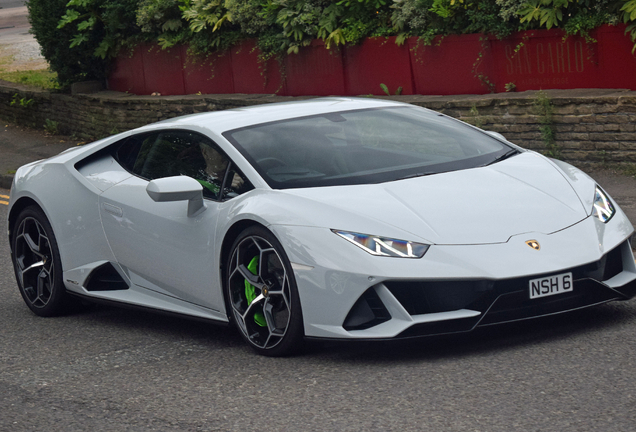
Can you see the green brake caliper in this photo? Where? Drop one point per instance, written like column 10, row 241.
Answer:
column 250, row 292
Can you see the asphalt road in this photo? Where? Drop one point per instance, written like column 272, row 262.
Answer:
column 109, row 369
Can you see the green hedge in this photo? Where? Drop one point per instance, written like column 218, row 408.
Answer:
column 79, row 37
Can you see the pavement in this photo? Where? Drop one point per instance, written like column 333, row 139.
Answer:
column 19, row 146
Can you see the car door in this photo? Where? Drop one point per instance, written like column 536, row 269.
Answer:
column 157, row 243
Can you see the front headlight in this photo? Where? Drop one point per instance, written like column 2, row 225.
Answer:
column 603, row 208
column 383, row 246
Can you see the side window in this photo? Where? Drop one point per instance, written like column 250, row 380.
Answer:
column 174, row 153
column 235, row 184
column 127, row 151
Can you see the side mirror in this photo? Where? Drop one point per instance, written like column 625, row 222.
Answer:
column 496, row 135
column 178, row 188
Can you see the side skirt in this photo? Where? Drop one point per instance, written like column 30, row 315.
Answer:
column 129, row 306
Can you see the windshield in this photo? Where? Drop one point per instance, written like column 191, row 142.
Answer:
column 363, row 146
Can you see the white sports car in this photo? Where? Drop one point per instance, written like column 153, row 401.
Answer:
column 332, row 218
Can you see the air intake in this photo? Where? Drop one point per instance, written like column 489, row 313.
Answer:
column 105, row 278
column 367, row 312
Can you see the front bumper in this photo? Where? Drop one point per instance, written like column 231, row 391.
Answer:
column 348, row 294
column 509, row 300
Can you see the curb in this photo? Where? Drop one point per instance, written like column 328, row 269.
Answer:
column 5, row 181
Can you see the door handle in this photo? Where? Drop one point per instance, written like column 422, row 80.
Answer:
column 114, row 210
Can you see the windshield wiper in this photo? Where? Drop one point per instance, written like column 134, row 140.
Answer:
column 503, row 156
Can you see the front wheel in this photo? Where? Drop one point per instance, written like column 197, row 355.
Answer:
column 37, row 264
column 262, row 295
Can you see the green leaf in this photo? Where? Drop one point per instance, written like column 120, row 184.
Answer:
column 88, row 24
column 190, row 14
column 220, row 22
column 70, row 16
column 335, row 37
column 385, row 89
column 165, row 42
column 103, row 49
column 531, row 11
column 80, row 3
column 197, row 25
column 401, row 38
column 78, row 39
column 631, row 29
column 172, row 24
column 630, row 11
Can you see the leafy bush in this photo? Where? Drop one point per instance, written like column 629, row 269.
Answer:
column 412, row 16
column 158, row 16
column 72, row 64
column 584, row 15
column 79, row 36
column 105, row 24
column 247, row 15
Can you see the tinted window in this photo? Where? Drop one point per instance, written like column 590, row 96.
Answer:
column 174, row 153
column 127, row 152
column 363, row 146
column 235, row 183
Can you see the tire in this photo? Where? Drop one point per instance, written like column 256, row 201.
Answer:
column 37, row 265
column 261, row 294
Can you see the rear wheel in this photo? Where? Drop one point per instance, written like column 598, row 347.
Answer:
column 262, row 295
column 37, row 264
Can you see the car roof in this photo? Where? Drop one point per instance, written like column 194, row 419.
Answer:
column 222, row 121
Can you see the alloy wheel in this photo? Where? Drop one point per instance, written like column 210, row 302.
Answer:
column 34, row 262
column 260, row 292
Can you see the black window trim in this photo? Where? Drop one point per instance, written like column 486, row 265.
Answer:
column 114, row 151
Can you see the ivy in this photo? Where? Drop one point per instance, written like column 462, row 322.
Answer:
column 544, row 109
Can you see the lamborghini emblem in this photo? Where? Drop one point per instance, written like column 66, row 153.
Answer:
column 533, row 244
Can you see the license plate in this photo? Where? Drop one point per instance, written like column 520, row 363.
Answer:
column 551, row 285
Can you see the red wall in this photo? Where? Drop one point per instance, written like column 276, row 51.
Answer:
column 458, row 64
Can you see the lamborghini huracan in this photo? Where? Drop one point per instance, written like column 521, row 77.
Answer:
column 334, row 218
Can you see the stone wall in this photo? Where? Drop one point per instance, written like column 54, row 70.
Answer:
column 591, row 126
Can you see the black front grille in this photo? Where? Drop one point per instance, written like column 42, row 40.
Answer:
column 424, row 297
column 518, row 305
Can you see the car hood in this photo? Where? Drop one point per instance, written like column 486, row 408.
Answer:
column 523, row 194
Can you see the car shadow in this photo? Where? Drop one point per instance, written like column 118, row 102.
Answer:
column 595, row 322
column 592, row 322
column 171, row 326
